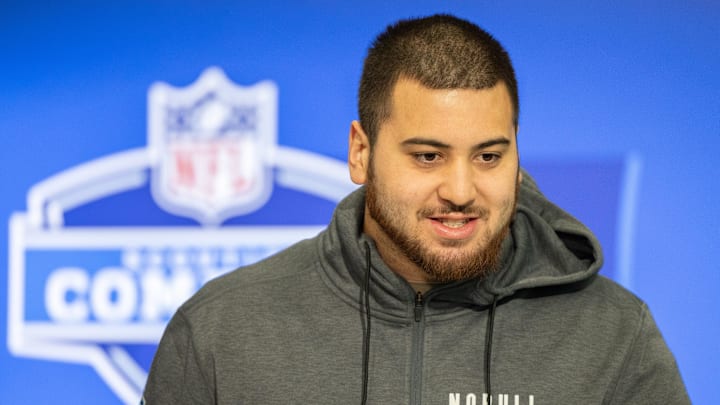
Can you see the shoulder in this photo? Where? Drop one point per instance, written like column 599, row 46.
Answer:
column 597, row 294
column 287, row 270
column 648, row 372
column 603, row 303
column 608, row 296
column 596, row 307
column 607, row 314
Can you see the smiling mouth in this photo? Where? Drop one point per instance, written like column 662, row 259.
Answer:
column 454, row 229
column 453, row 223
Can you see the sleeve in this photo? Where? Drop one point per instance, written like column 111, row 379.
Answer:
column 176, row 376
column 650, row 374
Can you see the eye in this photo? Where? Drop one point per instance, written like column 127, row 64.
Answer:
column 427, row 157
column 489, row 157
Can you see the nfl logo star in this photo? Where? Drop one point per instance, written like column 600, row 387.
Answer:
column 212, row 144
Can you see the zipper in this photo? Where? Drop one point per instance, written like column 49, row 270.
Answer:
column 417, row 350
column 418, row 306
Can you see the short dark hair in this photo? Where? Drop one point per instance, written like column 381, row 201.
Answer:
column 439, row 51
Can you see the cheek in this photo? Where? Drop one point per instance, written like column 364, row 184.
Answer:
column 502, row 195
column 398, row 184
column 403, row 194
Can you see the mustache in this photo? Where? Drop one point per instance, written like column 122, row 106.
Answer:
column 450, row 208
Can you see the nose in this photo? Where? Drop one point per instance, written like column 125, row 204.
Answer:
column 458, row 187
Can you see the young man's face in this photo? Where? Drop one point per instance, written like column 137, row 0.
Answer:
column 441, row 180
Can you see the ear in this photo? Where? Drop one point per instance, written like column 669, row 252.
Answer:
column 358, row 153
column 517, row 149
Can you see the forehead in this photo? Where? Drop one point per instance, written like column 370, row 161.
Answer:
column 419, row 110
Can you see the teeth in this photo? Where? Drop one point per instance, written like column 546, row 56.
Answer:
column 454, row 224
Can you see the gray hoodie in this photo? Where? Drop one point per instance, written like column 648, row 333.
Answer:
column 543, row 330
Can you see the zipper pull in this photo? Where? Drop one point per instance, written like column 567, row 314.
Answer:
column 418, row 306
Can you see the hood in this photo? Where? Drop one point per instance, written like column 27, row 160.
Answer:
column 546, row 248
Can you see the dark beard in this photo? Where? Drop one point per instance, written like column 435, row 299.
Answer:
column 440, row 268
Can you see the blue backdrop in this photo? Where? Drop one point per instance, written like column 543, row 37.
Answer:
column 620, row 120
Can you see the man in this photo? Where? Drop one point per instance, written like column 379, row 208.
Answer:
column 447, row 279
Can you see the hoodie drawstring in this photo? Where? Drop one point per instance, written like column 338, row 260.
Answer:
column 488, row 345
column 366, row 333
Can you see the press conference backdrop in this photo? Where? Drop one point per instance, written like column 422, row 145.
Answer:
column 150, row 146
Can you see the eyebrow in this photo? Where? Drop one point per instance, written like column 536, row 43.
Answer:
column 441, row 145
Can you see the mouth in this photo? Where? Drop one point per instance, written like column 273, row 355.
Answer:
column 454, row 228
column 453, row 223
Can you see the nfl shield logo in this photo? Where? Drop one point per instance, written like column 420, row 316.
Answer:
column 212, row 144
